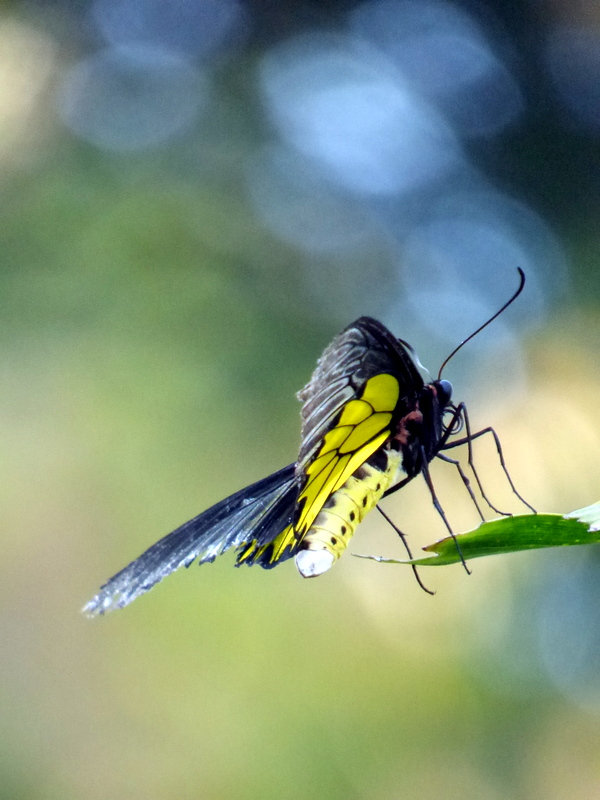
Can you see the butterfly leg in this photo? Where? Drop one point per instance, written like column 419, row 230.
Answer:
column 468, row 440
column 440, row 510
column 407, row 548
column 465, row 480
column 461, row 414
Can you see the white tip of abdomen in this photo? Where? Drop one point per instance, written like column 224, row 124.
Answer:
column 311, row 563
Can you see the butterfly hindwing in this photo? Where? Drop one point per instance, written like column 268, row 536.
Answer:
column 259, row 512
column 364, row 381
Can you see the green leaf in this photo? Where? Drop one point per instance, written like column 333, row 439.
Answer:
column 511, row 534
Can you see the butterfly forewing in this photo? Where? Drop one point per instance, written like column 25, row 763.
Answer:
column 259, row 512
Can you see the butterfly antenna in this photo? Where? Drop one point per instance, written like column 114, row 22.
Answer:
column 485, row 324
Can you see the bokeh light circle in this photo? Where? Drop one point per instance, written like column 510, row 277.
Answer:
column 127, row 99
column 346, row 107
column 294, row 201
column 445, row 56
column 195, row 27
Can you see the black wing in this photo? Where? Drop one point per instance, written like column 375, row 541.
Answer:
column 364, row 349
column 259, row 513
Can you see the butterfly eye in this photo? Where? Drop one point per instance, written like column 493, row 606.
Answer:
column 444, row 389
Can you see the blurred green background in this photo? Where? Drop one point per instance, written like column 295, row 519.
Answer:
column 195, row 197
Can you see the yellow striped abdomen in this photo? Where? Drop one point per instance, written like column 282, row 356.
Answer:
column 335, row 524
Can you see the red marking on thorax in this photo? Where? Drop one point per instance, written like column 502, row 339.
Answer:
column 403, row 432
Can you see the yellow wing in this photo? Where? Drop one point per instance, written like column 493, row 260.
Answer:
column 364, row 426
column 364, row 382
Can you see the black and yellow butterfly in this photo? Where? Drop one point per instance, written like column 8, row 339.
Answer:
column 370, row 424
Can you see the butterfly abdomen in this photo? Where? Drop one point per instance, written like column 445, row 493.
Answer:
column 336, row 523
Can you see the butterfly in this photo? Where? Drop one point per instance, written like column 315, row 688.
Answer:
column 370, row 424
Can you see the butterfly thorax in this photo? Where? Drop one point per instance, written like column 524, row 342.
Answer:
column 419, row 432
